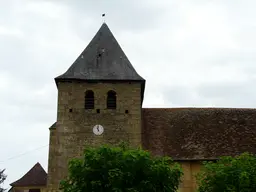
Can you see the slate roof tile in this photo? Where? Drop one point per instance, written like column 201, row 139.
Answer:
column 102, row 59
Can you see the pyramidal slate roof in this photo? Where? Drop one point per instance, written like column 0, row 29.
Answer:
column 103, row 59
column 36, row 176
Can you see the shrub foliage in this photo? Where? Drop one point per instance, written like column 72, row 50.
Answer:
column 229, row 174
column 2, row 179
column 121, row 169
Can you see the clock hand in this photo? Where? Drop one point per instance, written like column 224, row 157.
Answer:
column 98, row 128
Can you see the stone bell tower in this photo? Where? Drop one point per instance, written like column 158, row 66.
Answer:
column 99, row 101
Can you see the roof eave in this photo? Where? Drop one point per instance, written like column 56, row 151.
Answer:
column 15, row 185
column 60, row 79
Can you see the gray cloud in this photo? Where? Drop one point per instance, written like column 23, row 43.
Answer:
column 232, row 94
column 127, row 15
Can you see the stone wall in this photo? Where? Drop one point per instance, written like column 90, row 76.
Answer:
column 52, row 180
column 190, row 169
column 74, row 123
column 27, row 188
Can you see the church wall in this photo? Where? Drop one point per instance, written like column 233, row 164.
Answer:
column 74, row 129
column 190, row 169
column 52, row 160
column 27, row 188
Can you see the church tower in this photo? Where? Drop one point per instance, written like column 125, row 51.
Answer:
column 99, row 101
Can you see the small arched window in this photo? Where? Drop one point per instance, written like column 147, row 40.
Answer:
column 89, row 100
column 111, row 100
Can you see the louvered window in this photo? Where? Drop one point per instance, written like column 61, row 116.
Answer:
column 111, row 100
column 89, row 100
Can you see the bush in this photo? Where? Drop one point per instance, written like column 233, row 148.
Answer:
column 121, row 169
column 2, row 179
column 229, row 174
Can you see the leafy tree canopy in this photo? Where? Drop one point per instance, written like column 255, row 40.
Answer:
column 2, row 179
column 121, row 169
column 229, row 174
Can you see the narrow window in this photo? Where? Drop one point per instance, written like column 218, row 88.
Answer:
column 89, row 100
column 111, row 100
column 34, row 190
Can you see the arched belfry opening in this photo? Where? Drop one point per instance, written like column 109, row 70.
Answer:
column 89, row 99
column 111, row 99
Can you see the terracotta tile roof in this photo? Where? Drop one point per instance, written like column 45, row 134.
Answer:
column 36, row 176
column 199, row 133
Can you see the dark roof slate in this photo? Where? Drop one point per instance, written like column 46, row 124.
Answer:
column 36, row 176
column 199, row 133
column 102, row 59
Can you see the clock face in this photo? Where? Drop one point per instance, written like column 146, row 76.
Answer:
column 98, row 129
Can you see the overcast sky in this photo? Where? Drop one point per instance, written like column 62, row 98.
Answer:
column 193, row 53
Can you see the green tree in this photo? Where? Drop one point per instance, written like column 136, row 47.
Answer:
column 121, row 169
column 229, row 174
column 2, row 179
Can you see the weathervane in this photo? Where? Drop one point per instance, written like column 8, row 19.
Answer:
column 103, row 16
